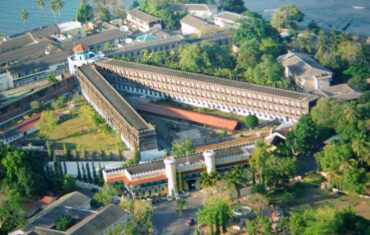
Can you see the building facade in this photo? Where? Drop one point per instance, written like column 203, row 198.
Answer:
column 161, row 177
column 206, row 91
column 134, row 130
column 143, row 21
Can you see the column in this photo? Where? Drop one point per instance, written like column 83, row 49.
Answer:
column 209, row 159
column 170, row 167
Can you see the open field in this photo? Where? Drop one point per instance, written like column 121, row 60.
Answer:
column 80, row 132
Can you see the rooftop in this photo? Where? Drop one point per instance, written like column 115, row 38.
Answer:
column 114, row 98
column 200, row 7
column 67, row 26
column 201, row 118
column 192, row 158
column 228, row 16
column 194, row 21
column 302, row 65
column 80, row 47
column 16, row 42
column 209, row 79
column 136, row 13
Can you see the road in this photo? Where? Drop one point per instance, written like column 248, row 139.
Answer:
column 167, row 221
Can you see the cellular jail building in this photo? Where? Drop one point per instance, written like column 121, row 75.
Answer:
column 101, row 81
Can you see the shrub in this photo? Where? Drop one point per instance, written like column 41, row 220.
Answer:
column 258, row 188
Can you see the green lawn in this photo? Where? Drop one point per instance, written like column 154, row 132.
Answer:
column 80, row 132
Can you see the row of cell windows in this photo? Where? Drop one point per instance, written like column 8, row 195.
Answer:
column 218, row 89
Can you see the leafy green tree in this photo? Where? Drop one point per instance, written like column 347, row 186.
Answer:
column 69, row 184
column 140, row 210
column 84, row 175
column 161, row 9
column 63, row 222
column 182, row 147
column 79, row 175
column 232, row 5
column 260, row 225
column 105, row 195
column 65, row 150
column 216, row 213
column 303, row 136
column 358, row 75
column 268, row 72
column 327, row 220
column 11, row 215
column 286, row 16
column 236, row 178
column 47, row 122
column 129, row 228
column 103, row 13
column 251, row 121
column 85, row 12
column 258, row 161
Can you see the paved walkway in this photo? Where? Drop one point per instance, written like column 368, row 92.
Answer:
column 167, row 221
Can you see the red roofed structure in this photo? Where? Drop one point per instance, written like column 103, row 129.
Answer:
column 192, row 116
column 80, row 48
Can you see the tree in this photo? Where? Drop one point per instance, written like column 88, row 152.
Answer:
column 303, row 136
column 260, row 225
column 251, row 121
column 208, row 180
column 24, row 15
column 327, row 220
column 11, row 215
column 79, row 175
column 269, row 72
column 286, row 16
column 140, row 210
column 258, row 161
column 181, row 204
column 182, row 147
column 105, row 195
column 35, row 105
column 232, row 5
column 85, row 12
column 84, row 175
column 88, row 173
column 69, row 184
column 47, row 122
column 56, row 6
column 236, row 178
column 103, row 13
column 52, row 78
column 40, row 4
column 64, row 222
column 215, row 213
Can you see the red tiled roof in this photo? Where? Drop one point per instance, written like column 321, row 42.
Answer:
column 135, row 182
column 80, row 47
column 192, row 116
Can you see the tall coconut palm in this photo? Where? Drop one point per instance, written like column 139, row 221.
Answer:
column 40, row 4
column 24, row 15
column 56, row 6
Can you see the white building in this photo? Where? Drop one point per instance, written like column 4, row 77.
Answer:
column 71, row 29
column 82, row 56
column 201, row 10
column 305, row 71
column 192, row 25
column 228, row 20
column 143, row 21
column 6, row 80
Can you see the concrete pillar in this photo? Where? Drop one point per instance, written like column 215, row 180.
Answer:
column 209, row 159
column 170, row 167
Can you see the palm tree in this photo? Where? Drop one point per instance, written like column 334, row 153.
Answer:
column 40, row 4
column 208, row 180
column 362, row 149
column 56, row 6
column 24, row 15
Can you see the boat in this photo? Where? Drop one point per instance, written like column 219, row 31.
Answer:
column 358, row 7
